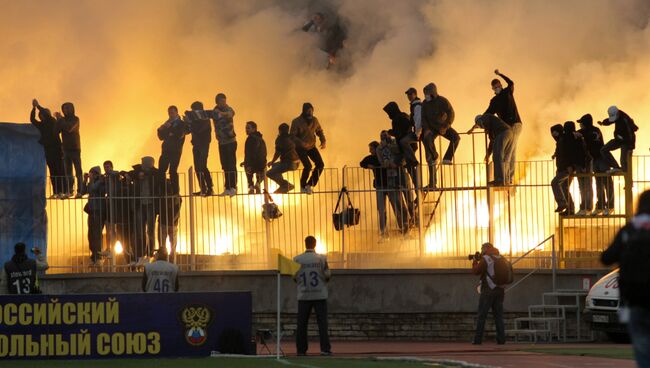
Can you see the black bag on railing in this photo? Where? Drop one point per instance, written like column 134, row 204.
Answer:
column 349, row 216
column 270, row 210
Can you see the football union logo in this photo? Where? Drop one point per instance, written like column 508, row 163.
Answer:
column 196, row 319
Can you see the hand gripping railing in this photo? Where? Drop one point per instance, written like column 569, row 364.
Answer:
column 553, row 263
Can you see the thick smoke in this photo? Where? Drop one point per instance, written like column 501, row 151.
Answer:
column 123, row 62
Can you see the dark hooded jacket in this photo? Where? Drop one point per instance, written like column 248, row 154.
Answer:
column 503, row 104
column 304, row 129
column 68, row 125
column 561, row 157
column 575, row 147
column 255, row 152
column 624, row 129
column 173, row 137
column 198, row 123
column 592, row 135
column 47, row 127
column 400, row 121
column 286, row 147
column 437, row 114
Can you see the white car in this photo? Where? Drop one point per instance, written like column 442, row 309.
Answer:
column 602, row 306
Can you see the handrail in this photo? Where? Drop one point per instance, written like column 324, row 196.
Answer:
column 553, row 263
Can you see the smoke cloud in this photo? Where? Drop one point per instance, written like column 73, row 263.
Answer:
column 123, row 62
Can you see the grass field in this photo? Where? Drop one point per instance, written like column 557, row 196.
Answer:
column 616, row 353
column 221, row 363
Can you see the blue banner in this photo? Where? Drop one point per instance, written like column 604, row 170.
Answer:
column 124, row 325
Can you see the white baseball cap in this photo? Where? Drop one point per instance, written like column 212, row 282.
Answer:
column 612, row 112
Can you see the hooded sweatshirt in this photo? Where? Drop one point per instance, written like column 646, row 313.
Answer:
column 561, row 159
column 592, row 135
column 68, row 125
column 574, row 146
column 305, row 128
column 255, row 152
column 437, row 113
column 47, row 127
column 400, row 121
column 199, row 125
column 624, row 128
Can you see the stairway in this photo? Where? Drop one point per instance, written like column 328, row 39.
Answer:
column 548, row 321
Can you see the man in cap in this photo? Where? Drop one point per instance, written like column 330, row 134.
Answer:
column 624, row 138
column 437, row 117
column 500, row 145
column 304, row 130
column 504, row 106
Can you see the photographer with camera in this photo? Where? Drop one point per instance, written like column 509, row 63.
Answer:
column 491, row 290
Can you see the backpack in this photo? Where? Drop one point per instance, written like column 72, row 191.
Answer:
column 634, row 275
column 503, row 274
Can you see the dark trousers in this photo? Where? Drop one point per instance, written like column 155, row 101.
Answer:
column 639, row 329
column 626, row 153
column 560, row 185
column 586, row 189
column 228, row 157
column 304, row 310
column 431, row 156
column 96, row 222
column 279, row 168
column 200, row 153
column 170, row 160
column 454, row 139
column 165, row 232
column 54, row 161
column 254, row 173
column 73, row 158
column 396, row 200
column 305, row 157
column 490, row 299
column 146, row 240
column 604, row 186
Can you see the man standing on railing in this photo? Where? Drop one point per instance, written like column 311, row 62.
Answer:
column 630, row 250
column 581, row 163
column 46, row 125
column 224, row 130
column 68, row 125
column 500, row 146
column 391, row 162
column 604, row 184
column 172, row 134
column 624, row 138
column 199, row 125
column 254, row 158
column 147, row 189
column 416, row 120
column 437, row 117
column 304, row 130
column 379, row 182
column 492, row 295
column 560, row 183
column 503, row 105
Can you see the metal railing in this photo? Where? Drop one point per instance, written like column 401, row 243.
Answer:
column 534, row 270
column 444, row 226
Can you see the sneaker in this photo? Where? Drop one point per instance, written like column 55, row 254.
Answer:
column 200, row 193
column 561, row 208
column 607, row 212
column 582, row 213
column 290, row 187
column 496, row 183
column 210, row 192
column 325, row 353
column 282, row 189
column 447, row 162
column 79, row 195
column 597, row 211
column 307, row 189
column 251, row 190
column 615, row 170
column 53, row 196
column 231, row 192
column 301, row 354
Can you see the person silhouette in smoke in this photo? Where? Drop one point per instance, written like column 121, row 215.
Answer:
column 254, row 158
column 560, row 183
column 624, row 138
column 604, row 184
column 437, row 117
column 285, row 150
column 198, row 123
column 224, row 131
column 504, row 106
column 51, row 142
column 581, row 163
column 172, row 133
column 332, row 35
column 68, row 125
column 304, row 130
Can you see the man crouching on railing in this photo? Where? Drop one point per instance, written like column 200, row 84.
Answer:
column 491, row 294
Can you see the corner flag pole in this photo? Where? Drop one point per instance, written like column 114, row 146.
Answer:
column 277, row 331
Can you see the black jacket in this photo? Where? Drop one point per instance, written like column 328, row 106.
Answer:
column 437, row 114
column 198, row 123
column 173, row 137
column 593, row 138
column 575, row 148
column 380, row 173
column 624, row 129
column 255, row 152
column 285, row 146
column 400, row 121
column 561, row 156
column 503, row 104
column 69, row 128
column 47, row 127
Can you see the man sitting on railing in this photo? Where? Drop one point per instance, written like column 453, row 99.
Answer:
column 285, row 150
column 437, row 117
column 624, row 138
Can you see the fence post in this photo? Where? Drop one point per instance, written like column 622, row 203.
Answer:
column 489, row 197
column 343, row 228
column 190, row 175
column 629, row 200
column 553, row 262
column 267, row 224
column 420, row 201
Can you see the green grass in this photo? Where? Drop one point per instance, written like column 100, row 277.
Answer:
column 306, row 362
column 616, row 353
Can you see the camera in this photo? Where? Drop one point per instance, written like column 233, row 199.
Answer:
column 474, row 257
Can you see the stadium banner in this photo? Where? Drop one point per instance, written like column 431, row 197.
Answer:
column 124, row 325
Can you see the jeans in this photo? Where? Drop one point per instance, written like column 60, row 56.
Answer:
column 397, row 203
column 516, row 131
column 95, row 226
column 170, row 160
column 305, row 156
column 73, row 158
column 200, row 153
column 145, row 237
column 502, row 156
column 614, row 144
column 407, row 150
column 431, row 156
column 304, row 310
column 228, row 158
column 586, row 189
column 254, row 177
column 279, row 168
column 490, row 299
column 560, row 185
column 604, row 185
column 54, row 160
column 452, row 136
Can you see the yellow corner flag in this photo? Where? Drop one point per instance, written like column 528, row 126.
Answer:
column 287, row 266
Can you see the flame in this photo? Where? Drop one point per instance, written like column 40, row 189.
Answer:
column 118, row 247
